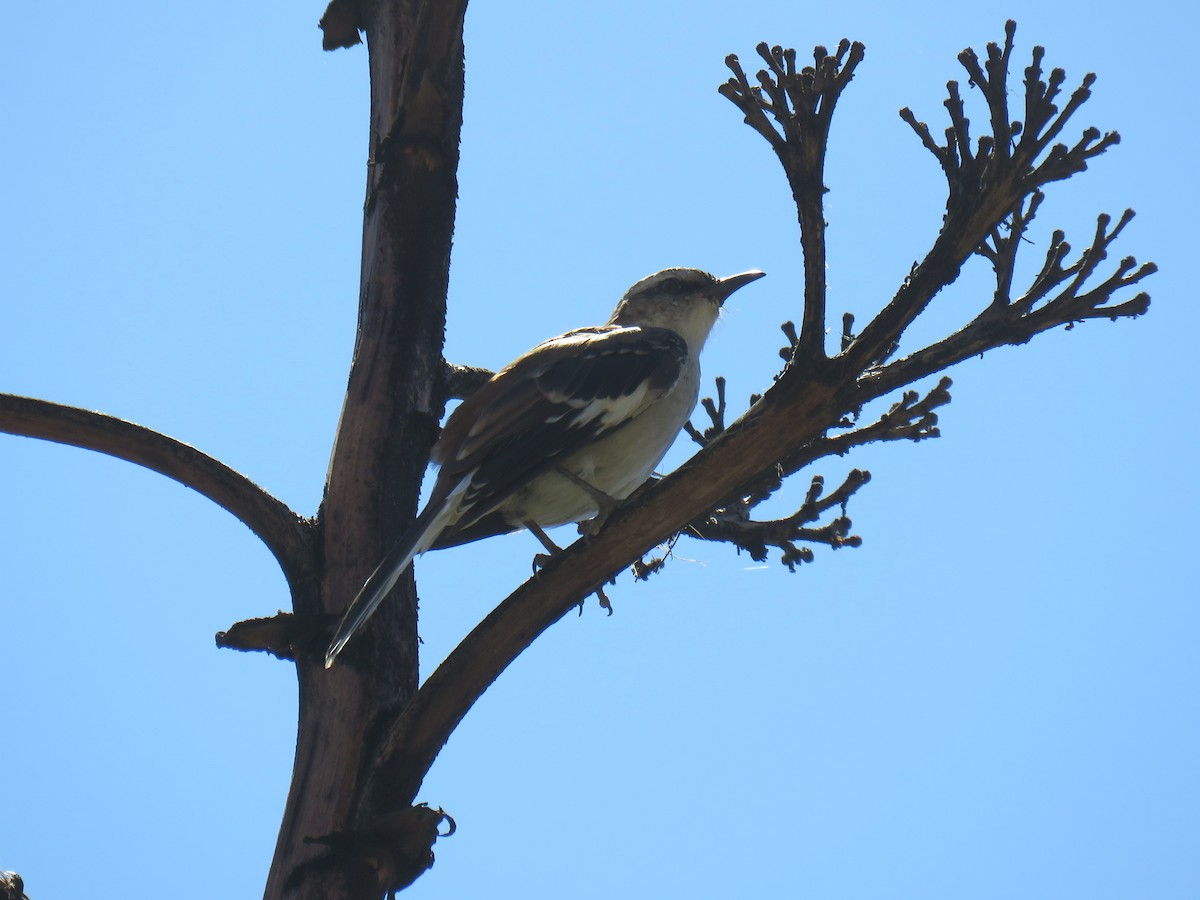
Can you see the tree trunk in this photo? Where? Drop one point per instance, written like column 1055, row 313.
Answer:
column 389, row 420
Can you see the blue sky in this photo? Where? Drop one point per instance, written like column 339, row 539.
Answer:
column 994, row 697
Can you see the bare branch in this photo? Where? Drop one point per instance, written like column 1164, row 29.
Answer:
column 912, row 418
column 283, row 635
column 286, row 534
column 340, row 25
column 985, row 184
column 847, row 331
column 716, row 415
column 801, row 101
column 461, row 381
column 1008, row 321
column 733, row 525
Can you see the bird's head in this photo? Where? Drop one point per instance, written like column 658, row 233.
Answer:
column 685, row 300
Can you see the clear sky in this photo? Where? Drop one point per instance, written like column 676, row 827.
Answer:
column 995, row 697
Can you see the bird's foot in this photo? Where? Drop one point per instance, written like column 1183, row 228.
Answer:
column 541, row 559
column 603, row 598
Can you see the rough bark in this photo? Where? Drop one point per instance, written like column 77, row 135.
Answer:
column 388, row 423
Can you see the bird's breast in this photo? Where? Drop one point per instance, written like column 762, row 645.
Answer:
column 616, row 464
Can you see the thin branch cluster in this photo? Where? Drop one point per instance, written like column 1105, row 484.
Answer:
column 1059, row 294
column 994, row 191
column 912, row 418
column 1012, row 146
column 792, row 108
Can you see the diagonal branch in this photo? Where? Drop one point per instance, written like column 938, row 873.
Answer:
column 790, row 415
column 286, row 534
column 912, row 418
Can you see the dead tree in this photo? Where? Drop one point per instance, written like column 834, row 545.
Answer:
column 368, row 732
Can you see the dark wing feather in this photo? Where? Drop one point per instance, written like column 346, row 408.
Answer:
column 547, row 404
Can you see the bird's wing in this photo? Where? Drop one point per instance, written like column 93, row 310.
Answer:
column 557, row 398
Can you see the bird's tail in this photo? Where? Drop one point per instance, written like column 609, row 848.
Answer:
column 419, row 537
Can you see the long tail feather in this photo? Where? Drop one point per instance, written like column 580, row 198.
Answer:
column 419, row 537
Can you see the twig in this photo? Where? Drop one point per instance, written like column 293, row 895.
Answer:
column 733, row 525
column 459, row 382
column 716, row 415
column 283, row 635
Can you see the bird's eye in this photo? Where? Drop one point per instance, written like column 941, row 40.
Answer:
column 671, row 285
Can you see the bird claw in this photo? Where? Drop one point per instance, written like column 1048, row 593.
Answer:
column 601, row 596
column 541, row 560
column 587, row 528
column 604, row 602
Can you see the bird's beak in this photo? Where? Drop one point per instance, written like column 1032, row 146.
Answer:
column 727, row 286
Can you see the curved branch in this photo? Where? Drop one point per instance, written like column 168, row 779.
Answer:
column 285, row 533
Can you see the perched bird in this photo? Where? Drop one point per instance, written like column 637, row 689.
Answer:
column 566, row 431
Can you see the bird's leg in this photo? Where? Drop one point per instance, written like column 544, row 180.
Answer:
column 607, row 505
column 544, row 539
column 541, row 559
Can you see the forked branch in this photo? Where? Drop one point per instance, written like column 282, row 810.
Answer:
column 912, row 418
column 733, row 524
column 987, row 180
column 1057, row 296
column 800, row 102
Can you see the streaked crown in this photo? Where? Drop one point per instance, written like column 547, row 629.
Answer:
column 685, row 300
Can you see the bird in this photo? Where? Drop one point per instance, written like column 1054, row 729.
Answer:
column 566, row 431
